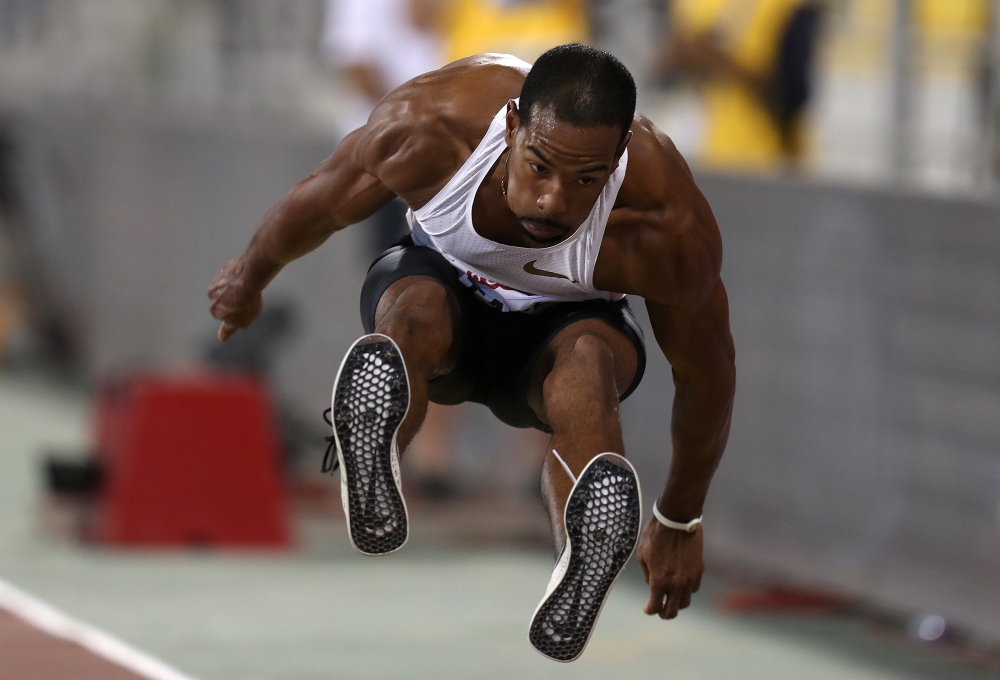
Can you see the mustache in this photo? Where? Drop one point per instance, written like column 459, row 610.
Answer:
column 545, row 221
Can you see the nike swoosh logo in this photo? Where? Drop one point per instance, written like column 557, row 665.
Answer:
column 532, row 269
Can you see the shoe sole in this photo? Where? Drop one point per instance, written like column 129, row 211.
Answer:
column 371, row 397
column 602, row 519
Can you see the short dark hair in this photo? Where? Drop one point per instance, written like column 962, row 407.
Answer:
column 582, row 85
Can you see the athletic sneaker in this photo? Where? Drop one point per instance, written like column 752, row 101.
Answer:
column 371, row 396
column 602, row 519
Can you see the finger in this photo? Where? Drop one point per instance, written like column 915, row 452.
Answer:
column 685, row 599
column 673, row 605
column 226, row 331
column 697, row 585
column 655, row 604
column 645, row 570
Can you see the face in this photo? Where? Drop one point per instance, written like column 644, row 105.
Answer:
column 556, row 172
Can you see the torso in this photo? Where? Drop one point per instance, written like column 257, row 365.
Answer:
column 509, row 277
column 655, row 242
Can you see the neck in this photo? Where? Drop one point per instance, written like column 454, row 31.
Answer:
column 492, row 217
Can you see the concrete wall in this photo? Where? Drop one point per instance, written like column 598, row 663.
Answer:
column 863, row 454
column 136, row 215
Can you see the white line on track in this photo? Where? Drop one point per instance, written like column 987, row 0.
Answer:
column 55, row 622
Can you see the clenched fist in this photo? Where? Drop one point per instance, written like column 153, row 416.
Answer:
column 235, row 303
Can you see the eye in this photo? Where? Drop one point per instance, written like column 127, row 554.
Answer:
column 541, row 170
column 586, row 181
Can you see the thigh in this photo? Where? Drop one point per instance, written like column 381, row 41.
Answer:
column 399, row 268
column 523, row 348
column 412, row 294
column 628, row 358
column 420, row 297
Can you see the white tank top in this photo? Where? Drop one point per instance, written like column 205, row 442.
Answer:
column 512, row 278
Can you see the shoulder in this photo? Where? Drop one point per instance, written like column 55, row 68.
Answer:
column 421, row 132
column 668, row 246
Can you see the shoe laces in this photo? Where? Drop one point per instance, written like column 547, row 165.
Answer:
column 330, row 460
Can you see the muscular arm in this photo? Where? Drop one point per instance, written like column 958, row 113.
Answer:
column 670, row 253
column 674, row 260
column 339, row 192
column 414, row 140
column 700, row 350
column 698, row 344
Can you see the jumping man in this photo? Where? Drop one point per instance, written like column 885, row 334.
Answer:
column 538, row 200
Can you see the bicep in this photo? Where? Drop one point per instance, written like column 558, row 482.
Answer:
column 341, row 189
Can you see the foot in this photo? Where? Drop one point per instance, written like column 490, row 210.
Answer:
column 602, row 519
column 371, row 396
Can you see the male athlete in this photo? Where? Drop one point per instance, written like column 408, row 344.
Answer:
column 538, row 199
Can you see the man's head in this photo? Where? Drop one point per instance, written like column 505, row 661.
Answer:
column 566, row 136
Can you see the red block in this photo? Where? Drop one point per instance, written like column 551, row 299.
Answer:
column 190, row 460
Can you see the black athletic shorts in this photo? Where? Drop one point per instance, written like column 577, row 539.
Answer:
column 499, row 349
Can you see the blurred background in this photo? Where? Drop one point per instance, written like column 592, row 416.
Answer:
column 168, row 489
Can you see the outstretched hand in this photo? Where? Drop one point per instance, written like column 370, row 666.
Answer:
column 232, row 301
column 672, row 563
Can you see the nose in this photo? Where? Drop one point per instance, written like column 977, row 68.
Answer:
column 552, row 201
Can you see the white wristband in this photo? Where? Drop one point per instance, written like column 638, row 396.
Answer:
column 689, row 527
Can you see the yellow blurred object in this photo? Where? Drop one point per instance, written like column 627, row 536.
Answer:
column 963, row 16
column 872, row 13
column 949, row 36
column 741, row 134
column 862, row 46
column 524, row 28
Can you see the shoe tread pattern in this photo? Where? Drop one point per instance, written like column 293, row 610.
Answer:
column 370, row 402
column 602, row 523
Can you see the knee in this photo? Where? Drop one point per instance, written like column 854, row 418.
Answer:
column 422, row 309
column 582, row 380
column 422, row 318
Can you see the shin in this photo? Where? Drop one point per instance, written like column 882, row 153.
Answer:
column 581, row 407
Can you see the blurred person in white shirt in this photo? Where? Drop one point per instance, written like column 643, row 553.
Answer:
column 379, row 44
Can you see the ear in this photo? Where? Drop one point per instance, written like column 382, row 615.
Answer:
column 623, row 145
column 513, row 122
column 621, row 150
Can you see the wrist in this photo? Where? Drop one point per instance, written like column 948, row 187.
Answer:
column 687, row 526
column 256, row 271
column 677, row 509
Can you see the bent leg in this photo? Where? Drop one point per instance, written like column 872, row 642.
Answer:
column 594, row 501
column 575, row 391
column 375, row 415
column 422, row 316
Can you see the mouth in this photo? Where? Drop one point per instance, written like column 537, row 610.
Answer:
column 543, row 230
